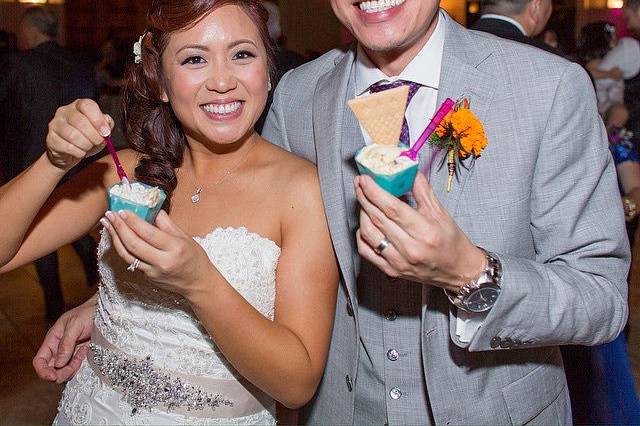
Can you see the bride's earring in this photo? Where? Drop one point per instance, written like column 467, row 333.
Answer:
column 269, row 86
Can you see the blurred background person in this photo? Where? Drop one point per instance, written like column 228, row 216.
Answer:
column 631, row 13
column 33, row 84
column 600, row 380
column 550, row 38
column 285, row 59
column 7, row 46
column 518, row 20
column 7, row 42
column 608, row 60
column 116, row 55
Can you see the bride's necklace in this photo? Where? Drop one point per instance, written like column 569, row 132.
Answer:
column 198, row 189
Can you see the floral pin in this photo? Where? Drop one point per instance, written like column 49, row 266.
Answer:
column 462, row 135
column 137, row 49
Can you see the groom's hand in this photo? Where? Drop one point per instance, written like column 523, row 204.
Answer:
column 65, row 345
column 424, row 244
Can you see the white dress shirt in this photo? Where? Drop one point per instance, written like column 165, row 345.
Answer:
column 424, row 69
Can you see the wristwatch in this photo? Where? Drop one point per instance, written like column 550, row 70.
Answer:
column 481, row 294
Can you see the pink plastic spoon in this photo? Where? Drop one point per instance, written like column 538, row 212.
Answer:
column 119, row 169
column 442, row 112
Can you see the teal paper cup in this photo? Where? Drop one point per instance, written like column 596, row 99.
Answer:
column 117, row 203
column 397, row 184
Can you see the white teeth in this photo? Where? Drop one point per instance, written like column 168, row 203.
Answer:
column 374, row 6
column 222, row 108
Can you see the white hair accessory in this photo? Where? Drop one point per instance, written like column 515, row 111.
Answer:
column 137, row 49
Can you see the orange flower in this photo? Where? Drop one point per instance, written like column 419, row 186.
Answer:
column 464, row 126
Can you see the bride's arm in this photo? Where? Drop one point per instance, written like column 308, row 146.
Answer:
column 285, row 357
column 36, row 217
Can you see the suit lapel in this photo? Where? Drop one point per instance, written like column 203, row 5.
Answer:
column 460, row 76
column 329, row 107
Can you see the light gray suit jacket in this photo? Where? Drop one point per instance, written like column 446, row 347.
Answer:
column 543, row 196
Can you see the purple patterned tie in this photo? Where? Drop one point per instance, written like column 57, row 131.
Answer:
column 413, row 88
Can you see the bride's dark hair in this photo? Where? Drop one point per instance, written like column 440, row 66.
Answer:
column 151, row 128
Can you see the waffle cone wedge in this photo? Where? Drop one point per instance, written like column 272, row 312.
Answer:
column 381, row 114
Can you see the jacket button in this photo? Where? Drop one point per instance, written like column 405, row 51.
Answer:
column 495, row 342
column 393, row 355
column 349, row 385
column 349, row 308
column 390, row 315
column 506, row 343
column 395, row 393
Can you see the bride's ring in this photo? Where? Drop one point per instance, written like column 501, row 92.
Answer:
column 383, row 245
column 134, row 265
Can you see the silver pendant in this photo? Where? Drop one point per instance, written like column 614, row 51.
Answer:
column 196, row 195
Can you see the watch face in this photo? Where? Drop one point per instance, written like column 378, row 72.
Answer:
column 482, row 299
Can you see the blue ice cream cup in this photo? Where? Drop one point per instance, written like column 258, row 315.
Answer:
column 395, row 182
column 147, row 211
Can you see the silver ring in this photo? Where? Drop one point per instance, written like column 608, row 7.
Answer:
column 134, row 265
column 383, row 245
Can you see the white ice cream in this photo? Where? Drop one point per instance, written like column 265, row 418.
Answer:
column 137, row 193
column 384, row 159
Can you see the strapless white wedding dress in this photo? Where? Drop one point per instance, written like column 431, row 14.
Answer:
column 152, row 362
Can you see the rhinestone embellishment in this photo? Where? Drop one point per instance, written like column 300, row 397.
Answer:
column 143, row 386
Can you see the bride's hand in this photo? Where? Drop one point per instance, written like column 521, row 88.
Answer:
column 169, row 257
column 75, row 132
column 65, row 345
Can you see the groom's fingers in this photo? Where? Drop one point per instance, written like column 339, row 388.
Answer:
column 400, row 213
column 366, row 251
column 389, row 226
column 426, row 201
column 43, row 361
column 67, row 372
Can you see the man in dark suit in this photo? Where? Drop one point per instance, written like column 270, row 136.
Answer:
column 518, row 20
column 34, row 83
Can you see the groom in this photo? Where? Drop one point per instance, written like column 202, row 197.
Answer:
column 542, row 202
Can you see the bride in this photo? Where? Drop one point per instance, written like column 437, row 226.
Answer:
column 225, row 304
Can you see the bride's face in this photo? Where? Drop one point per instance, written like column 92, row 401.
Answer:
column 215, row 76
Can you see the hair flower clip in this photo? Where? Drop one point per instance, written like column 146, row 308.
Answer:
column 462, row 135
column 137, row 49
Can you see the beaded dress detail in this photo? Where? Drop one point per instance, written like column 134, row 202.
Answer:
column 156, row 355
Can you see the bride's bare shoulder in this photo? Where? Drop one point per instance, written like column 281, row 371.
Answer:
column 290, row 170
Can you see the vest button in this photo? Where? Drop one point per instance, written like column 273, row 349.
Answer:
column 349, row 385
column 495, row 342
column 393, row 355
column 395, row 393
column 506, row 343
column 390, row 315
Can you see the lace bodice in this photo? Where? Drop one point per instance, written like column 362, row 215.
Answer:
column 141, row 320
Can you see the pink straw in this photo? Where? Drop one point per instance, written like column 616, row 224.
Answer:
column 121, row 173
column 442, row 112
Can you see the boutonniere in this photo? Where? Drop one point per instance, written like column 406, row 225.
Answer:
column 461, row 134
